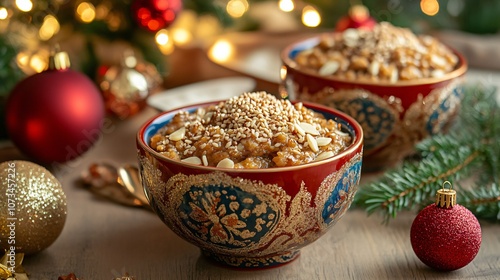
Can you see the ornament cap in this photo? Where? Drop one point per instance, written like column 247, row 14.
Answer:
column 59, row 61
column 446, row 198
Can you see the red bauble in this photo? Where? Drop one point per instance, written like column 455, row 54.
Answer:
column 55, row 115
column 446, row 238
column 358, row 17
column 154, row 15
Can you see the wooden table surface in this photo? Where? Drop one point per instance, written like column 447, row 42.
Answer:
column 101, row 239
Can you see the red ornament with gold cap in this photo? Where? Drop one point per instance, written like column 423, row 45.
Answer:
column 55, row 115
column 445, row 235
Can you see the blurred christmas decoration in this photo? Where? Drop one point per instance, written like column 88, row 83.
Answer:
column 445, row 235
column 55, row 115
column 126, row 86
column 11, row 266
column 35, row 207
column 118, row 184
column 358, row 17
column 154, row 15
column 468, row 150
column 70, row 276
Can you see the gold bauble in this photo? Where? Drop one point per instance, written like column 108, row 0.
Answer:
column 32, row 207
column 126, row 86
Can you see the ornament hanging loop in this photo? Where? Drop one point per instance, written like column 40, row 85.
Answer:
column 446, row 198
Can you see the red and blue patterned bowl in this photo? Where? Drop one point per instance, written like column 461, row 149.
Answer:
column 394, row 117
column 250, row 218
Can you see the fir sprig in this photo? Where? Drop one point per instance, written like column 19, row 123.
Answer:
column 469, row 149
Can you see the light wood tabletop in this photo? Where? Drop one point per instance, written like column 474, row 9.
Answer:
column 102, row 239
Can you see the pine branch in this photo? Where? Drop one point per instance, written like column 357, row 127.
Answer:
column 468, row 149
column 414, row 184
column 483, row 201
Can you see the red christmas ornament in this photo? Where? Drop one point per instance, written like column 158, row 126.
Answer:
column 55, row 115
column 358, row 17
column 446, row 236
column 154, row 15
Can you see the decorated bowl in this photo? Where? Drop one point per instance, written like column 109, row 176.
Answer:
column 250, row 218
column 394, row 115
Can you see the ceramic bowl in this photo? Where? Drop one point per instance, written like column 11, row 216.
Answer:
column 394, row 116
column 250, row 218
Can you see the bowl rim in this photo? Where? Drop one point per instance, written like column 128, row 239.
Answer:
column 355, row 145
column 460, row 69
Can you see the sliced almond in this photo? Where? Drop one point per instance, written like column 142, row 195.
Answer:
column 329, row 68
column 323, row 141
column 374, row 68
column 226, row 163
column 312, row 143
column 309, row 128
column 341, row 133
column 192, row 160
column 299, row 129
column 204, row 160
column 178, row 134
column 324, row 155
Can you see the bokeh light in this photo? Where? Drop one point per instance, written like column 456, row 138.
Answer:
column 4, row 13
column 24, row 5
column 221, row 51
column 86, row 12
column 49, row 28
column 429, row 7
column 310, row 16
column 237, row 8
column 286, row 5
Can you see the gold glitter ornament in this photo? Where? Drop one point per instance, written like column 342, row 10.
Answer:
column 32, row 207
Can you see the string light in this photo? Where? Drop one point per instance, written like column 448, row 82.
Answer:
column 221, row 51
column 24, row 5
column 286, row 5
column 86, row 12
column 429, row 7
column 237, row 8
column 310, row 16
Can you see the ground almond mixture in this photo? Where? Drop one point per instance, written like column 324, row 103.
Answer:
column 253, row 130
column 386, row 53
